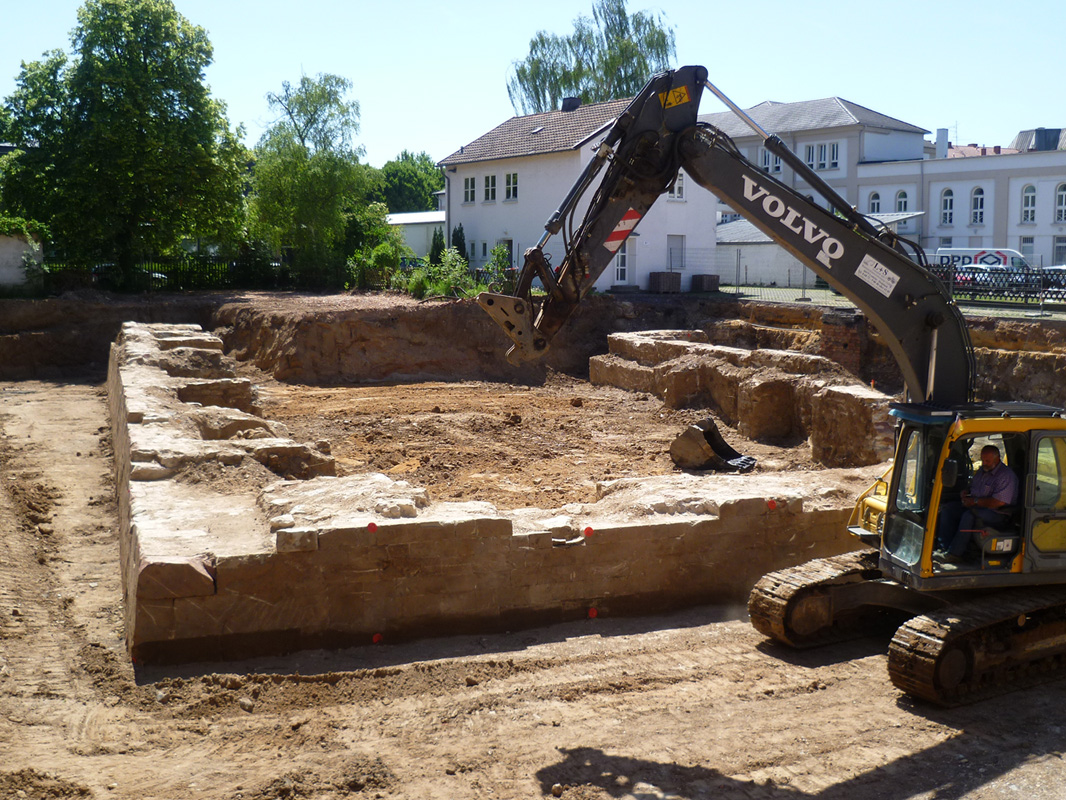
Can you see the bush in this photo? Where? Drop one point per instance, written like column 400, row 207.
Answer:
column 451, row 278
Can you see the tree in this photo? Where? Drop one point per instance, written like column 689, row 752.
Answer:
column 606, row 58
column 307, row 178
column 410, row 181
column 459, row 239
column 437, row 246
column 122, row 150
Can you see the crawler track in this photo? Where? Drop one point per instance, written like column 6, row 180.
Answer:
column 784, row 605
column 982, row 648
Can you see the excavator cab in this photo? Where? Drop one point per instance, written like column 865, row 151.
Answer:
column 937, row 454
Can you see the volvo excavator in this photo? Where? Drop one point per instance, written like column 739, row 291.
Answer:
column 962, row 631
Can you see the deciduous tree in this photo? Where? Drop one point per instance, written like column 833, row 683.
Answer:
column 122, row 150
column 410, row 182
column 307, row 176
column 607, row 57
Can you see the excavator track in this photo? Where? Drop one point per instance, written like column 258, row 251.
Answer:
column 791, row 606
column 982, row 647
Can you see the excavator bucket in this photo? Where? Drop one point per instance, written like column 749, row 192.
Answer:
column 701, row 446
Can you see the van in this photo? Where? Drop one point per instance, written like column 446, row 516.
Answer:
column 981, row 257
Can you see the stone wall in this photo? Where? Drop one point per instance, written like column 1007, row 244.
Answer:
column 765, row 394
column 314, row 560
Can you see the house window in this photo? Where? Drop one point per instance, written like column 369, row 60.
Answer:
column 473, row 250
column 945, row 241
column 677, row 191
column 621, row 264
column 484, row 249
column 675, row 253
column 977, row 207
column 469, row 189
column 1027, row 247
column 1059, row 253
column 511, row 187
column 875, row 203
column 947, row 207
column 1060, row 204
column 834, row 155
column 770, row 162
column 901, row 201
column 809, row 152
column 823, row 156
column 490, row 187
column 1029, row 204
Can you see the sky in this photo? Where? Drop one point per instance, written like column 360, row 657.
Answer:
column 432, row 76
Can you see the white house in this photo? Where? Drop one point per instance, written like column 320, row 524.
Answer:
column 13, row 249
column 503, row 187
column 417, row 228
column 832, row 136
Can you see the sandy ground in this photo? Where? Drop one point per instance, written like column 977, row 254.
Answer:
column 692, row 705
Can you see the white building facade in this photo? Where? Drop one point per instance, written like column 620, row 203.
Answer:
column 1011, row 200
column 504, row 186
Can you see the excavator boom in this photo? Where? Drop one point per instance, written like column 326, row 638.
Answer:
column 656, row 136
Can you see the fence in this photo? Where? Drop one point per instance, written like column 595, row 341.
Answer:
column 191, row 273
column 759, row 272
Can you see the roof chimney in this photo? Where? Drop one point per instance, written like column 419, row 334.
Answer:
column 571, row 103
column 942, row 143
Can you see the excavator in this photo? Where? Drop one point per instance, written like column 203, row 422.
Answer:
column 962, row 629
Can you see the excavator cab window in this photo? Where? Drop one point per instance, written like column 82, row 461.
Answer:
column 1047, row 497
column 916, row 457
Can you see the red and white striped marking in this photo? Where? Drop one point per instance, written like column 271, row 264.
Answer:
column 624, row 227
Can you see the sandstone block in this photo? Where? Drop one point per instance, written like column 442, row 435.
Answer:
column 291, row 540
column 168, row 577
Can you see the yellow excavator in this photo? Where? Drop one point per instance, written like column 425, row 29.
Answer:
column 989, row 621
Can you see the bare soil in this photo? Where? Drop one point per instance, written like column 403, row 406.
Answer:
column 690, row 705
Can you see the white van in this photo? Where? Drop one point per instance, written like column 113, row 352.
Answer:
column 981, row 257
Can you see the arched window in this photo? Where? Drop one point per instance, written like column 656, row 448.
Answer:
column 901, row 201
column 1060, row 203
column 947, row 207
column 1029, row 204
column 875, row 203
column 977, row 206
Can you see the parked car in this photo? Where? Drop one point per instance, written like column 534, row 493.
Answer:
column 106, row 276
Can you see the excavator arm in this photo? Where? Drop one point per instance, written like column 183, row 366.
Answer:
column 657, row 135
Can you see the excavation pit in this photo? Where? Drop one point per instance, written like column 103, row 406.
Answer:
column 246, row 531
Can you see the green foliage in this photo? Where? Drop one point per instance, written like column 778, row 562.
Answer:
column 34, row 268
column 122, row 150
column 410, row 181
column 608, row 57
column 375, row 249
column 498, row 270
column 436, row 247
column 26, row 228
column 459, row 238
column 417, row 284
column 451, row 276
column 307, row 176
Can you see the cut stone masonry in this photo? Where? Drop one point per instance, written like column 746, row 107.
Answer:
column 765, row 394
column 318, row 560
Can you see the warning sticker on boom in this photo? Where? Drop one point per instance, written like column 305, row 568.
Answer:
column 877, row 275
column 675, row 97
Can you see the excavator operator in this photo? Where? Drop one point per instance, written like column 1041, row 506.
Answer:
column 994, row 489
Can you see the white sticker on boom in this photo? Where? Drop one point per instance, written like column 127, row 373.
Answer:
column 877, row 275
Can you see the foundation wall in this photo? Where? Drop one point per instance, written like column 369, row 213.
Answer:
column 327, row 561
column 765, row 394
